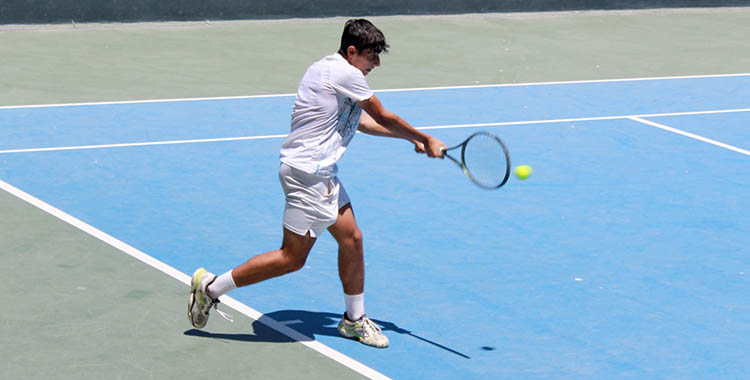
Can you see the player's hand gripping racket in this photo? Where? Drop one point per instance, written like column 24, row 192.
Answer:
column 484, row 159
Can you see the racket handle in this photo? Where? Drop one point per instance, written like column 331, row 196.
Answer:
column 444, row 153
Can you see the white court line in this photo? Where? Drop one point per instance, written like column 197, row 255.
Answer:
column 566, row 82
column 691, row 135
column 125, row 145
column 454, row 126
column 376, row 91
column 147, row 101
column 293, row 322
column 185, row 279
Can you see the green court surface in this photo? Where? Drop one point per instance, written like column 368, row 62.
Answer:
column 77, row 306
column 107, row 62
column 81, row 307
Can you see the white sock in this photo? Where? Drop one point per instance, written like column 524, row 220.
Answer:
column 221, row 285
column 355, row 306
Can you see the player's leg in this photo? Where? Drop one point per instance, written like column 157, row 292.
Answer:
column 309, row 209
column 289, row 258
column 351, row 253
column 354, row 323
column 206, row 288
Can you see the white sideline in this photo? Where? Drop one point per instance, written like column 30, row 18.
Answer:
column 185, row 279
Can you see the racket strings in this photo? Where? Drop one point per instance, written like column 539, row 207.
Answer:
column 485, row 160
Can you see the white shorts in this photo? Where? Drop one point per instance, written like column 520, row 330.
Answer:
column 312, row 202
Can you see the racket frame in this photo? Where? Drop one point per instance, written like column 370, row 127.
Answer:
column 462, row 164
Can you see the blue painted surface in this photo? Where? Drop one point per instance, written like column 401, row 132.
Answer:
column 621, row 257
column 139, row 122
column 728, row 128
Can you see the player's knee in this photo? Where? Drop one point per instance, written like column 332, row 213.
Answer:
column 296, row 265
column 355, row 239
column 294, row 262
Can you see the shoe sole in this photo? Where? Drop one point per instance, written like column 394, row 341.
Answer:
column 191, row 300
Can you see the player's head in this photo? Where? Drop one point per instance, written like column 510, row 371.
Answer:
column 363, row 35
column 361, row 44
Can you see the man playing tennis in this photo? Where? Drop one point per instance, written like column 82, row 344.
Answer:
column 327, row 113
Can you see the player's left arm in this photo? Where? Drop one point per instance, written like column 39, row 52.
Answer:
column 379, row 121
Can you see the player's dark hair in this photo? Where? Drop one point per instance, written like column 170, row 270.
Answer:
column 362, row 34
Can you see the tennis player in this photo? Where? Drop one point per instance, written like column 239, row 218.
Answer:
column 327, row 113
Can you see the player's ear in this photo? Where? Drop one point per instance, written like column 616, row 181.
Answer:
column 351, row 51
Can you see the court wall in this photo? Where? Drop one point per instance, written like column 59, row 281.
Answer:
column 58, row 11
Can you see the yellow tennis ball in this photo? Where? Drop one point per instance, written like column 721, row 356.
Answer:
column 523, row 171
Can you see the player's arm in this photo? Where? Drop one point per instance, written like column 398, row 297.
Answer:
column 379, row 121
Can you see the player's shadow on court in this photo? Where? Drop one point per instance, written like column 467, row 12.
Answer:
column 262, row 333
column 312, row 324
column 309, row 324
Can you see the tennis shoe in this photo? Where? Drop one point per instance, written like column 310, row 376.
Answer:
column 199, row 304
column 363, row 330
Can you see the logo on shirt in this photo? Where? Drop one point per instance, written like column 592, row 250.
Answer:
column 348, row 120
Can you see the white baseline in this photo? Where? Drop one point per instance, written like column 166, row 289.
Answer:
column 384, row 90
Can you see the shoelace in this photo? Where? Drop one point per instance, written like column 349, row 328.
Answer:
column 215, row 305
column 224, row 315
column 370, row 327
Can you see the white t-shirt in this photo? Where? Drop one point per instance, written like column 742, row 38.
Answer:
column 325, row 116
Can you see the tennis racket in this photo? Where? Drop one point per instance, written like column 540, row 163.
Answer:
column 484, row 159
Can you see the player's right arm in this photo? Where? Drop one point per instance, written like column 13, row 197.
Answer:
column 381, row 122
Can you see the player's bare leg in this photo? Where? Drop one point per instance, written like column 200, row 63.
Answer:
column 289, row 258
column 352, row 274
column 351, row 252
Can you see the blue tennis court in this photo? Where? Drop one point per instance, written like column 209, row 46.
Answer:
column 623, row 256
